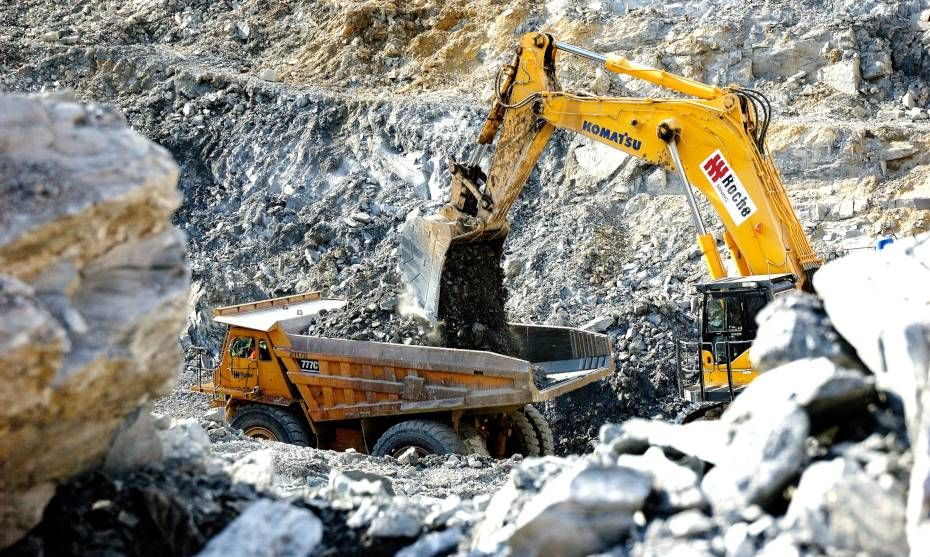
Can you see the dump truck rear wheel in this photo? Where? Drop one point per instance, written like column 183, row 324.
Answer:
column 542, row 429
column 522, row 437
column 427, row 437
column 271, row 422
column 473, row 441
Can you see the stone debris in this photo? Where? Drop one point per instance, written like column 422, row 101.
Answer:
column 267, row 528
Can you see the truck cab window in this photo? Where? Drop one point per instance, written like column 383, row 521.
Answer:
column 242, row 347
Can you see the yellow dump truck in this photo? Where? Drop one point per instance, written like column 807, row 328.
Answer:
column 384, row 398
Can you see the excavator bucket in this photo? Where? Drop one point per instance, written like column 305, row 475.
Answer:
column 425, row 247
column 424, row 243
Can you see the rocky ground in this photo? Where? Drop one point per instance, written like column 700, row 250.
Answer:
column 824, row 454
column 307, row 132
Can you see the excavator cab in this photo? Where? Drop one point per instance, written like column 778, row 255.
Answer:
column 728, row 311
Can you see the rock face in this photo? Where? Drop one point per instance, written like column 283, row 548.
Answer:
column 92, row 293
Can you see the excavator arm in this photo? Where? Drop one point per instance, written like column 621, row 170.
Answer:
column 714, row 142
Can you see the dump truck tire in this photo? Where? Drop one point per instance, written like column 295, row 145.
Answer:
column 542, row 429
column 271, row 422
column 426, row 436
column 523, row 438
column 474, row 442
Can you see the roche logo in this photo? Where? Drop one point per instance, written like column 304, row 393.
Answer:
column 622, row 139
column 728, row 187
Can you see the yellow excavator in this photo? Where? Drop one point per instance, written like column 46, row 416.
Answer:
column 714, row 140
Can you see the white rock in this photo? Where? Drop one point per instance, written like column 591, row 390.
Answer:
column 599, row 324
column 737, row 542
column 908, row 100
column 267, row 529
column 268, row 74
column 843, row 76
column 890, row 330
column 216, row 415
column 595, row 503
column 256, row 468
column 764, row 450
column 185, row 439
column 837, row 505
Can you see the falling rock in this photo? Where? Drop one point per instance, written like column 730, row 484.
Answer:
column 594, row 503
column 795, row 326
column 836, row 505
column 908, row 100
column 267, row 528
column 764, row 450
column 94, row 335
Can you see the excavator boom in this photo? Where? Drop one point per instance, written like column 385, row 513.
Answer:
column 714, row 142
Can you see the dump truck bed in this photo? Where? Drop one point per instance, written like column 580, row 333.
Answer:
column 354, row 379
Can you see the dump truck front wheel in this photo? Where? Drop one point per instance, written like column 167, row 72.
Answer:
column 263, row 421
column 425, row 436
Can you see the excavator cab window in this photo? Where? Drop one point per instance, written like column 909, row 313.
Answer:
column 731, row 317
column 724, row 314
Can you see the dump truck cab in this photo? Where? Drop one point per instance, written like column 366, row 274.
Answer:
column 383, row 398
column 728, row 308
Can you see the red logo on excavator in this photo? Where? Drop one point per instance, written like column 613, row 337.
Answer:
column 716, row 168
column 728, row 187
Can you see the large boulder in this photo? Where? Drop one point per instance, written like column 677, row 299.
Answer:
column 880, row 303
column 93, row 295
